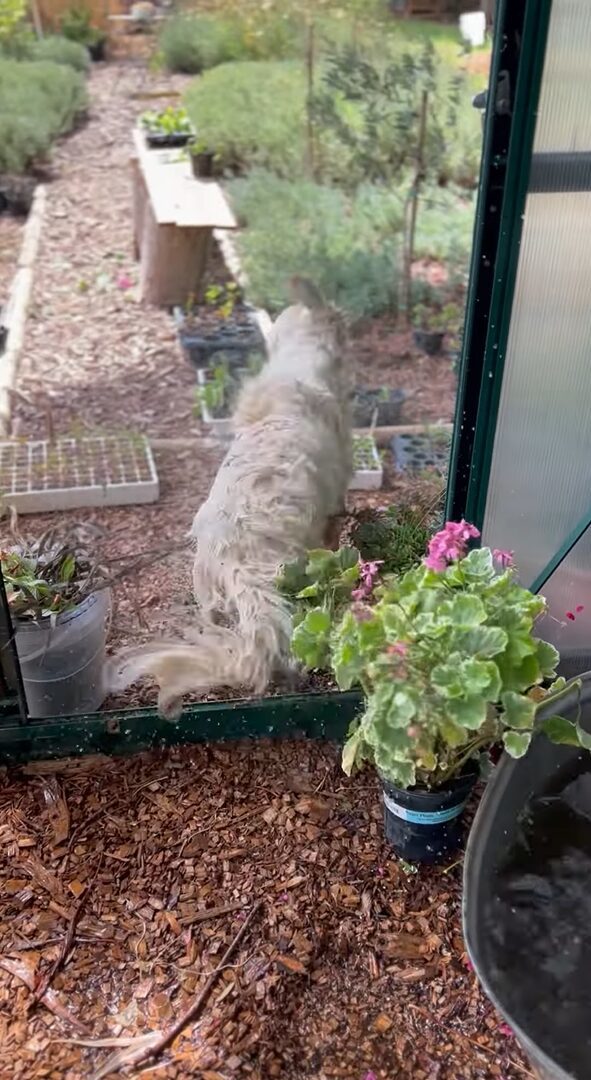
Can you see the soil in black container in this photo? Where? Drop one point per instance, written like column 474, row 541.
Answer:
column 539, row 925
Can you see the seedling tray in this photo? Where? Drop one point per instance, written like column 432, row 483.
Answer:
column 368, row 473
column 220, row 425
column 109, row 470
column 158, row 141
column 234, row 338
column 414, row 453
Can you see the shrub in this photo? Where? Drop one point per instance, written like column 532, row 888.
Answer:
column 252, row 114
column 255, row 114
column 349, row 246
column 76, row 25
column 193, row 43
column 38, row 102
column 59, row 50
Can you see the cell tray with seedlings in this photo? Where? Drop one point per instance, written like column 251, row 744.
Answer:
column 204, row 337
column 417, row 452
column 104, row 470
column 368, row 472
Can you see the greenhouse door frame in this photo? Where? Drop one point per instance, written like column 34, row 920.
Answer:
column 517, row 61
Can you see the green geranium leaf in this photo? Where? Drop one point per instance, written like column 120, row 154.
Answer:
column 520, row 711
column 481, row 677
column 560, row 730
column 466, row 610
column 517, row 742
column 548, row 658
column 584, row 737
column 481, row 641
column 453, row 733
column 447, row 680
column 350, row 751
column 478, row 565
column 470, row 713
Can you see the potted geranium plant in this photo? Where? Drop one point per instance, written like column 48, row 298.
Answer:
column 450, row 667
column 431, row 326
column 59, row 602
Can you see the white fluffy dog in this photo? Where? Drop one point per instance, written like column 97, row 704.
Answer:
column 285, row 474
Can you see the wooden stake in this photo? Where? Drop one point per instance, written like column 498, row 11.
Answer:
column 414, row 206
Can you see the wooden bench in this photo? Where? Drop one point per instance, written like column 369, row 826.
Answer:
column 174, row 216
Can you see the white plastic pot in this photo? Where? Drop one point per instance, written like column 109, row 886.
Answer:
column 62, row 665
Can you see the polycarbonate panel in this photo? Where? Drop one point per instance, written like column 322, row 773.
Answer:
column 569, row 588
column 540, row 483
column 564, row 116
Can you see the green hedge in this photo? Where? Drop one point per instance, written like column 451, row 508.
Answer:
column 38, row 102
column 193, row 43
column 255, row 115
column 59, row 50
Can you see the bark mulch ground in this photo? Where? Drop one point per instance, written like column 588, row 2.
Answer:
column 125, row 881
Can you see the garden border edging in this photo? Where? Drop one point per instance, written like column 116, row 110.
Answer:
column 18, row 304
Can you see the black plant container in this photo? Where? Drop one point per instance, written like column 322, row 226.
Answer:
column 202, row 165
column 159, row 141
column 97, row 50
column 234, row 339
column 429, row 341
column 427, row 826
column 389, row 407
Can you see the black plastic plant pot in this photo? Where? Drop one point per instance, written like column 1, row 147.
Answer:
column 427, row 826
column 388, row 403
column 429, row 341
column 534, row 1014
column 159, row 141
column 235, row 340
column 202, row 165
column 97, row 50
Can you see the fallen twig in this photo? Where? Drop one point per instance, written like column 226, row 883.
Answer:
column 68, row 942
column 210, row 913
column 49, row 998
column 191, row 1014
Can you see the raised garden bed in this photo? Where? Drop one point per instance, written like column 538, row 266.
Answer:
column 414, row 453
column 368, row 473
column 106, row 470
column 204, row 335
column 381, row 407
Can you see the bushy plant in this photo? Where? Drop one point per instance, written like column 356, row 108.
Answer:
column 447, row 659
column 254, row 114
column 194, row 43
column 76, row 25
column 348, row 245
column 12, row 17
column 60, row 50
column 47, row 575
column 38, row 102
column 397, row 537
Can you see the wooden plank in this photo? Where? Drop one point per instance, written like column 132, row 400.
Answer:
column 177, row 197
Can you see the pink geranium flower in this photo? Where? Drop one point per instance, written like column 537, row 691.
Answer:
column 124, row 281
column 503, row 558
column 450, row 544
column 368, row 572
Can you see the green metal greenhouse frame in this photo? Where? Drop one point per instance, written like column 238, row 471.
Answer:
column 521, row 29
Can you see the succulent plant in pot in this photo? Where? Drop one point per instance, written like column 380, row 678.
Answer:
column 450, row 667
column 59, row 603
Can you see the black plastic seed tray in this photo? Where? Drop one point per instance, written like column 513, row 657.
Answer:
column 159, row 141
column 413, row 453
column 236, row 340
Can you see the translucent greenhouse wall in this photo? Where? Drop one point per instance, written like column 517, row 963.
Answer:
column 540, row 482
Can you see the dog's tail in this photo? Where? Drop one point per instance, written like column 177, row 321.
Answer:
column 243, row 655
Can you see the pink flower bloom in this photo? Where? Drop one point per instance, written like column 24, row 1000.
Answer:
column 504, row 1029
column 124, row 281
column 361, row 613
column 370, row 1076
column 450, row 544
column 399, row 648
column 579, row 608
column 503, row 558
column 570, row 616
